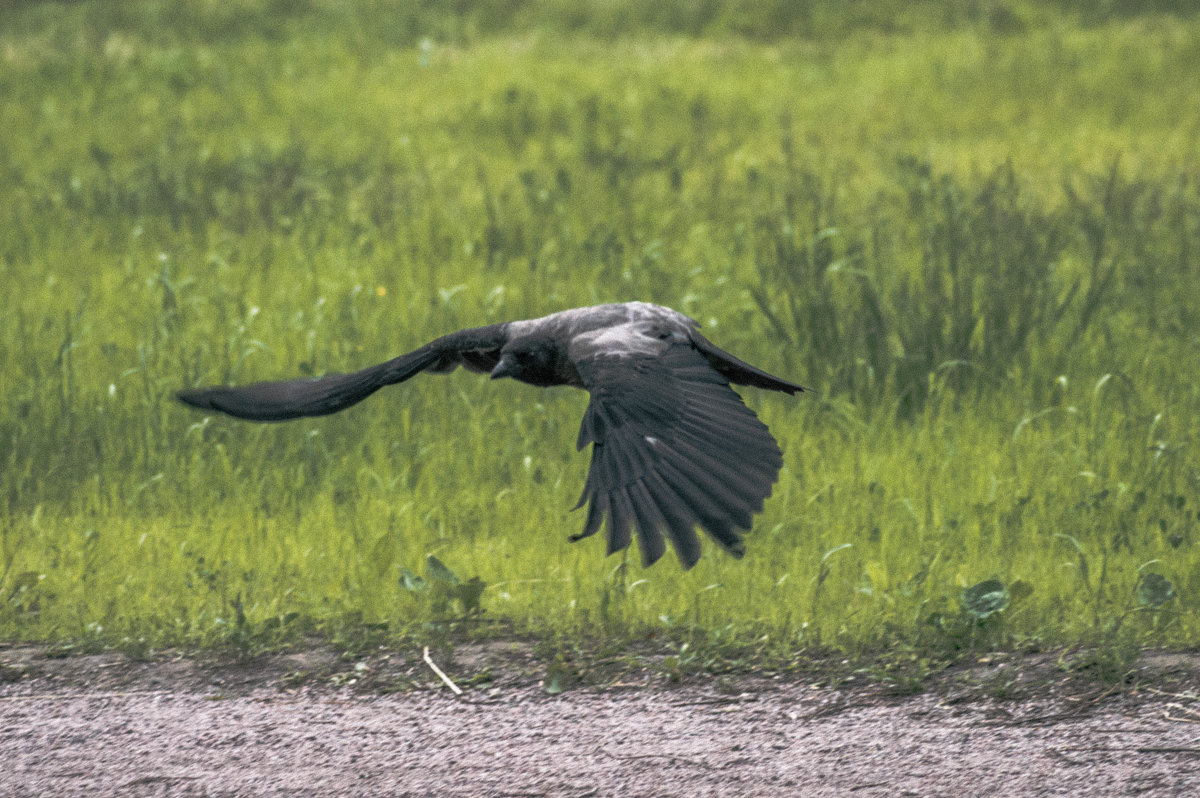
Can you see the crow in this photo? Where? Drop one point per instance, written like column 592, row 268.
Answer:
column 673, row 446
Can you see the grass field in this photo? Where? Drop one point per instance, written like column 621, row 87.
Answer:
column 977, row 241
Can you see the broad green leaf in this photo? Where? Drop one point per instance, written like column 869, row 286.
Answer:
column 1019, row 590
column 383, row 553
column 411, row 582
column 435, row 569
column 985, row 598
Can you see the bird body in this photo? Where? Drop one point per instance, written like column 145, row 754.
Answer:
column 673, row 446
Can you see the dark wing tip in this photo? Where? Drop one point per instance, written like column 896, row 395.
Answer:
column 738, row 371
column 476, row 347
column 274, row 401
column 212, row 398
column 194, row 397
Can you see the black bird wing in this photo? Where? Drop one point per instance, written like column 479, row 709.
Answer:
column 674, row 448
column 477, row 349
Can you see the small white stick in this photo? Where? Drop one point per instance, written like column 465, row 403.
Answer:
column 441, row 674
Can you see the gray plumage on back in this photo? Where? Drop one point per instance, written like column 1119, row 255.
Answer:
column 673, row 446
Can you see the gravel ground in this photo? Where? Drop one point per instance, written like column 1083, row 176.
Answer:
column 311, row 723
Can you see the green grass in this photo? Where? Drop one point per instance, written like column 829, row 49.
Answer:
column 977, row 242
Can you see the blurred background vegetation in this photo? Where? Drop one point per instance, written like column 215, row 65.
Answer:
column 971, row 227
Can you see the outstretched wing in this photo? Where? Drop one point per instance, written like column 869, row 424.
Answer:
column 674, row 448
column 477, row 348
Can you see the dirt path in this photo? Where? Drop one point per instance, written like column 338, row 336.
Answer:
column 105, row 726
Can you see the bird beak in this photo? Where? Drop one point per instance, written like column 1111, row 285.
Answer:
column 504, row 368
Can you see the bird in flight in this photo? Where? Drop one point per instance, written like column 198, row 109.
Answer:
column 673, row 446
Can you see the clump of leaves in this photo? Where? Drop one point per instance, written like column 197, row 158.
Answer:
column 22, row 594
column 682, row 663
column 1154, row 590
column 980, row 621
column 444, row 590
column 991, row 597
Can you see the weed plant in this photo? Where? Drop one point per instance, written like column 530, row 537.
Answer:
column 977, row 243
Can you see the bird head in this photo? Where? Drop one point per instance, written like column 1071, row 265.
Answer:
column 530, row 360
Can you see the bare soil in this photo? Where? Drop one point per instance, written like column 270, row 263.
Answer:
column 316, row 722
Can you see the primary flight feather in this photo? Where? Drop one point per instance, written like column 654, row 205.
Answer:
column 673, row 446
